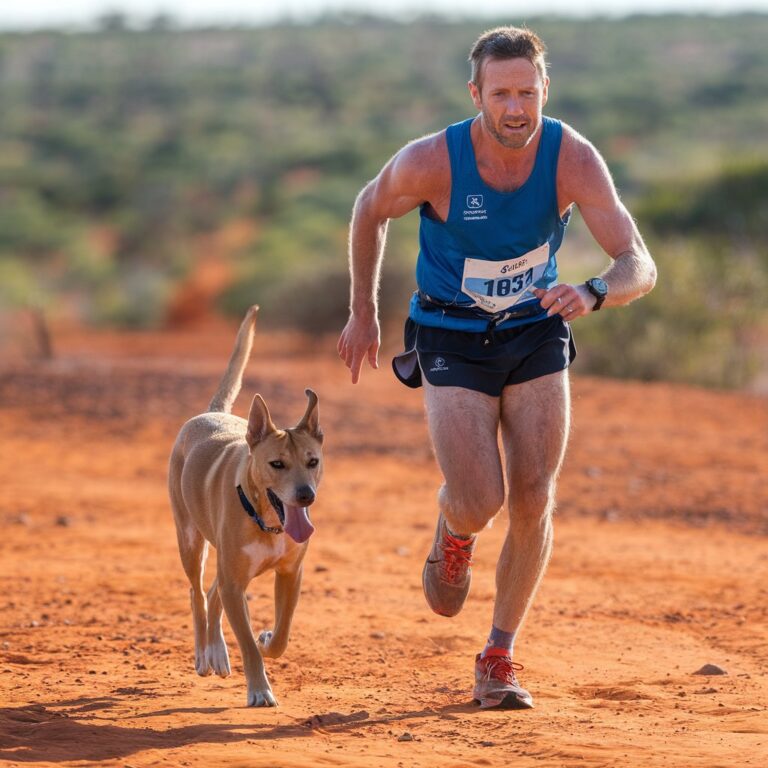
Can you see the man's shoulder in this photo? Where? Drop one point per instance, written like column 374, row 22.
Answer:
column 423, row 162
column 575, row 148
column 432, row 148
column 581, row 169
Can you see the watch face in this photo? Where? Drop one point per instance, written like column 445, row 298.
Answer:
column 598, row 286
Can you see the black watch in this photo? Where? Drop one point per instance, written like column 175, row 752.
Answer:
column 599, row 289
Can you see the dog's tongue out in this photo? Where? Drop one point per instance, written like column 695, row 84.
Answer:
column 297, row 523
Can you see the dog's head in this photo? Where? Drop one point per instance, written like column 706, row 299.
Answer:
column 287, row 464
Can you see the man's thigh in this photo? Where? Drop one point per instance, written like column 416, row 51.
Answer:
column 464, row 425
column 535, row 421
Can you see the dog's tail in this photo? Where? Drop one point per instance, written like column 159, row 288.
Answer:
column 229, row 388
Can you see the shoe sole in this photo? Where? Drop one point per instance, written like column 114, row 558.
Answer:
column 510, row 701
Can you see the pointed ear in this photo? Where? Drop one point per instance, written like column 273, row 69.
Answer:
column 310, row 420
column 259, row 422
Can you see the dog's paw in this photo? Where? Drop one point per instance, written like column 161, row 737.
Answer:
column 202, row 667
column 269, row 649
column 217, row 657
column 263, row 698
column 263, row 641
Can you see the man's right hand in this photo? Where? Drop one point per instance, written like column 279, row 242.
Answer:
column 359, row 339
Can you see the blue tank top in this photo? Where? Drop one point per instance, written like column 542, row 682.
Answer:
column 488, row 225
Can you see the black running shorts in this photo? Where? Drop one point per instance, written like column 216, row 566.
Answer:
column 484, row 362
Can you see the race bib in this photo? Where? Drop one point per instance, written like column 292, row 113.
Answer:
column 498, row 285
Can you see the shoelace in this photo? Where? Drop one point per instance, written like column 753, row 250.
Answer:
column 458, row 557
column 501, row 668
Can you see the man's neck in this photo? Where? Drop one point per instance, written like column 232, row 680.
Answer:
column 504, row 168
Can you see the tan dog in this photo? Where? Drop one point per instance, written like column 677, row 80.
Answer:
column 244, row 486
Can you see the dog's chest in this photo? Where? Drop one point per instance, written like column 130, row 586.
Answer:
column 264, row 554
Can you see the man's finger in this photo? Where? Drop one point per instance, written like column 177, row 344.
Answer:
column 373, row 355
column 355, row 364
column 547, row 298
column 557, row 306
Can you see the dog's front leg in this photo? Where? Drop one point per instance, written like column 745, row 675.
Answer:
column 287, row 589
column 236, row 607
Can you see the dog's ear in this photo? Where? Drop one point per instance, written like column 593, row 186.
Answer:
column 310, row 420
column 259, row 422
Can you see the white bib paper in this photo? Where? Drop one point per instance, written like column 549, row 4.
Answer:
column 498, row 285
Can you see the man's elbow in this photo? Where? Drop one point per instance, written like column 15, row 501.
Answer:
column 651, row 273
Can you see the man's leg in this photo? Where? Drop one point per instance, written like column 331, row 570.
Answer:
column 464, row 426
column 535, row 418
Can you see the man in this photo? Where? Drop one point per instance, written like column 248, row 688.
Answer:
column 489, row 328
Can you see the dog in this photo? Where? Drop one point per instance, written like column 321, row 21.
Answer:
column 244, row 487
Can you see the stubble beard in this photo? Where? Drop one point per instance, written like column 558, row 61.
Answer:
column 510, row 142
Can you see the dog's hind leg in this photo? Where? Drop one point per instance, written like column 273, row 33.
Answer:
column 273, row 643
column 216, row 653
column 193, row 549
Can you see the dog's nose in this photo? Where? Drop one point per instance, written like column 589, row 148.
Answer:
column 305, row 495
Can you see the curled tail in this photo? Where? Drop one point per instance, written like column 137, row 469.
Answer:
column 230, row 384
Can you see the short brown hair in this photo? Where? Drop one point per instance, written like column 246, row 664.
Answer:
column 508, row 43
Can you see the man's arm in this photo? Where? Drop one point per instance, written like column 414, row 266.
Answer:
column 584, row 179
column 402, row 185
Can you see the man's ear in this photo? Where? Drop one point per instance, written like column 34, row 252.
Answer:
column 310, row 420
column 474, row 92
column 259, row 422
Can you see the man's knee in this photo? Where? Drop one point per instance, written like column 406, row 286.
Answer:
column 469, row 509
column 532, row 499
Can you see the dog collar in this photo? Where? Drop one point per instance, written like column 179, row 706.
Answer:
column 254, row 515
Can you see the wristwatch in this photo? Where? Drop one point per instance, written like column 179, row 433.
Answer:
column 599, row 289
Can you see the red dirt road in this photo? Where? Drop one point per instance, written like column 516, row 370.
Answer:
column 660, row 566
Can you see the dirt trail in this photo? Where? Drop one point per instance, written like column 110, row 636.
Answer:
column 660, row 567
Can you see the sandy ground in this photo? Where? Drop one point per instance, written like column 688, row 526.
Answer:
column 660, row 567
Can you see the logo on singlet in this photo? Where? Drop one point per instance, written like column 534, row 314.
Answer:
column 474, row 210
column 474, row 201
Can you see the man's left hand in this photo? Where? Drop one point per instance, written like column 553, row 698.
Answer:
column 568, row 301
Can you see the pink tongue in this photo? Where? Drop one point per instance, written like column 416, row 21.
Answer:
column 297, row 524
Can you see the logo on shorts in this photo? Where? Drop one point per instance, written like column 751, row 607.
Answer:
column 438, row 364
column 474, row 201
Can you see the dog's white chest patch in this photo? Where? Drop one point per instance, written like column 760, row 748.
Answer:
column 262, row 556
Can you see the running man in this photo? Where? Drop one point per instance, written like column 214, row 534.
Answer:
column 488, row 334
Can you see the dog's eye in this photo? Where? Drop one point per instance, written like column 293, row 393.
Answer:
column 312, row 463
column 277, row 464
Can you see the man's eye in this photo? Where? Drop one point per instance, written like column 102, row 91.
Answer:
column 277, row 464
column 313, row 463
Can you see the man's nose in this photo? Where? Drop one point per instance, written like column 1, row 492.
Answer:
column 305, row 495
column 514, row 106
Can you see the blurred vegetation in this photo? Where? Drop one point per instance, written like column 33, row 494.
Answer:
column 122, row 149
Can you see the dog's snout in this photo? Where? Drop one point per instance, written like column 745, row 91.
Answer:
column 305, row 495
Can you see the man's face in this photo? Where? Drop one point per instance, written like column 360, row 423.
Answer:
column 511, row 95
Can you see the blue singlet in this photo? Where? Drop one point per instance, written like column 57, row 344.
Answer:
column 488, row 225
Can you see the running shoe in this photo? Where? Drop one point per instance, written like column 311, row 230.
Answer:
column 496, row 684
column 448, row 571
